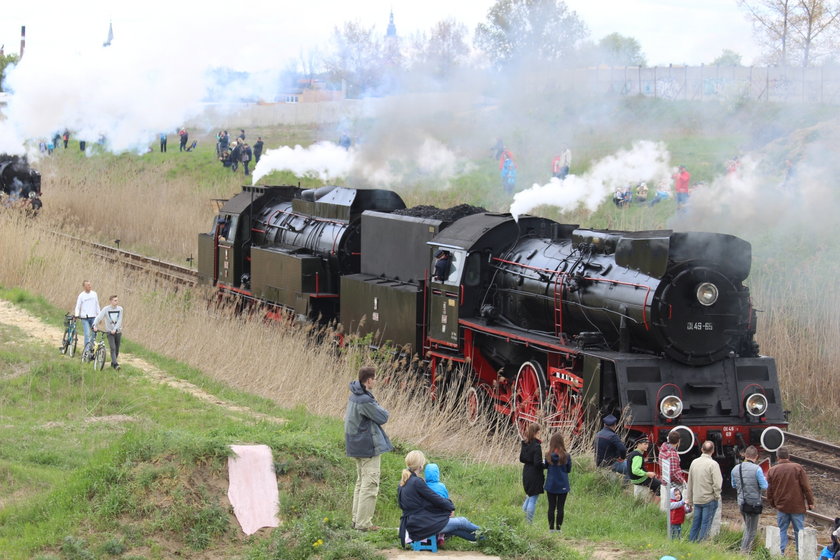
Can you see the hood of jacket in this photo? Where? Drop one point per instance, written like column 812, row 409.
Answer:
column 432, row 473
column 357, row 388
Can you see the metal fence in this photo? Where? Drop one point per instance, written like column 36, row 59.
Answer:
column 777, row 84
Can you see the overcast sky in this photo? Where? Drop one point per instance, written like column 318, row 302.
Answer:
column 257, row 34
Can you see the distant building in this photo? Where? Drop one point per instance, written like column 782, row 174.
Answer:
column 312, row 90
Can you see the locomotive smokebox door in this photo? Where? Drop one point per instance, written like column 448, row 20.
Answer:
column 444, row 298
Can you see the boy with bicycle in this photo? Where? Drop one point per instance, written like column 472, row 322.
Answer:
column 113, row 316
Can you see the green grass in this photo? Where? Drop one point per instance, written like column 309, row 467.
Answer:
column 103, row 465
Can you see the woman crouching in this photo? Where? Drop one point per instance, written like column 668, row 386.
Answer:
column 425, row 513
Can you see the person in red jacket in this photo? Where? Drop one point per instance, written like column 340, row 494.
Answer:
column 682, row 178
column 678, row 511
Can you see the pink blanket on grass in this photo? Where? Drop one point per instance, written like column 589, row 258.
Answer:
column 252, row 487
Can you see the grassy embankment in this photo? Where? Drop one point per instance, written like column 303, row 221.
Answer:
column 99, row 465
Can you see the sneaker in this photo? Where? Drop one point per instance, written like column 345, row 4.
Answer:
column 117, row 366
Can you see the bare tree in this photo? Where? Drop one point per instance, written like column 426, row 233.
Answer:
column 773, row 22
column 356, row 58
column 536, row 30
column 817, row 24
column 445, row 50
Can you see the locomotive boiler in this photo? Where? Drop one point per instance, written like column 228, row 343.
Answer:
column 550, row 322
column 20, row 183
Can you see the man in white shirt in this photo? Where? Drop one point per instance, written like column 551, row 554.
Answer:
column 87, row 308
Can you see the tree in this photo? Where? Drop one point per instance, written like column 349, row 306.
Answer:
column 813, row 29
column 727, row 57
column 772, row 22
column 357, row 59
column 445, row 50
column 617, row 50
column 807, row 28
column 6, row 60
column 536, row 30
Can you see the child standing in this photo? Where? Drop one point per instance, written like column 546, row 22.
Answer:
column 559, row 464
column 533, row 477
column 678, row 511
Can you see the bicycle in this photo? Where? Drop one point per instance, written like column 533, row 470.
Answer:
column 71, row 338
column 98, row 351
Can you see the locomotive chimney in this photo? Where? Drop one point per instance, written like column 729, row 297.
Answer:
column 22, row 39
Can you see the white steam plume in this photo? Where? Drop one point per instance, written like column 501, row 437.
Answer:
column 644, row 161
column 426, row 160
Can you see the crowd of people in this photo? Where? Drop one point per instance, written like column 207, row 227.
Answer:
column 427, row 510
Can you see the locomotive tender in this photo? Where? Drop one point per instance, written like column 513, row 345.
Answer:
column 552, row 322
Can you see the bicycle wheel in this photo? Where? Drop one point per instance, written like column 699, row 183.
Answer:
column 99, row 358
column 73, row 343
column 65, row 343
column 87, row 352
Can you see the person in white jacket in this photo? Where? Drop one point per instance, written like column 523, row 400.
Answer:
column 87, row 308
column 113, row 316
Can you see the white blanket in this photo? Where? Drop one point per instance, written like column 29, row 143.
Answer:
column 252, row 487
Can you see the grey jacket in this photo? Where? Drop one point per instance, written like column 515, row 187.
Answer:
column 363, row 433
column 113, row 318
column 754, row 482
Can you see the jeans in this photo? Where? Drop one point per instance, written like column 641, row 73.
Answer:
column 620, row 467
column 676, row 532
column 87, row 323
column 529, row 506
column 703, row 516
column 461, row 527
column 366, row 491
column 114, row 345
column 785, row 519
column 750, row 530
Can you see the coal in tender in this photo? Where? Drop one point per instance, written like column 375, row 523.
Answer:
column 442, row 214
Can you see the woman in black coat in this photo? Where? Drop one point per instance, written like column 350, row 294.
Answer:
column 533, row 475
column 425, row 513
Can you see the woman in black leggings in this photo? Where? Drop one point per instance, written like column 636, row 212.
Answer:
column 559, row 464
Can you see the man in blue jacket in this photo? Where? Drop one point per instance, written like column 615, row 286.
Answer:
column 365, row 441
column 610, row 451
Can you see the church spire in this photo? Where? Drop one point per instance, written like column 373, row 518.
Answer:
column 391, row 33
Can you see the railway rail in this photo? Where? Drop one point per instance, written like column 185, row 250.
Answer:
column 167, row 271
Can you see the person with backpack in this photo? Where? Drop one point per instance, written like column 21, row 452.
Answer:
column 246, row 157
column 748, row 479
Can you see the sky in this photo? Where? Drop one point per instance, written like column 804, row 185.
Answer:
column 262, row 34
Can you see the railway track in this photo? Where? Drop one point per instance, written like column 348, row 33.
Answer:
column 166, row 271
column 822, row 462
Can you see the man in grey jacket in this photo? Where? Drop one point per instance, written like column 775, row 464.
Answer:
column 749, row 480
column 113, row 316
column 366, row 441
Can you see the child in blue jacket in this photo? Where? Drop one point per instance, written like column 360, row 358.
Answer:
column 559, row 465
column 432, row 476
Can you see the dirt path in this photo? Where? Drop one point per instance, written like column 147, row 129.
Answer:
column 34, row 327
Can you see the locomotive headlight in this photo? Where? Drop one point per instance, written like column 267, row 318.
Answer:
column 671, row 406
column 707, row 294
column 756, row 404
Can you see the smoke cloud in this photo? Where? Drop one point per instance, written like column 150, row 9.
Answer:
column 644, row 161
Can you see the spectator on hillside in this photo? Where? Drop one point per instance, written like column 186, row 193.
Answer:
column 235, row 155
column 636, row 472
column 258, row 149
column 246, row 154
column 366, row 441
column 163, row 142
column 703, row 491
column 682, row 179
column 560, row 165
column 748, row 479
column 241, row 134
column 509, row 176
column 610, row 451
column 425, row 513
column 641, row 193
column 184, row 136
column 790, row 493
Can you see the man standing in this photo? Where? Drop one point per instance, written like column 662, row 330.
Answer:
column 365, row 441
column 790, row 493
column 748, row 479
column 87, row 308
column 703, row 491
column 162, row 142
column 610, row 451
column 185, row 136
column 113, row 315
column 258, row 148
column 246, row 157
column 681, row 181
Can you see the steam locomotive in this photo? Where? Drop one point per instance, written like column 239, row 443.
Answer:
column 552, row 322
column 20, row 184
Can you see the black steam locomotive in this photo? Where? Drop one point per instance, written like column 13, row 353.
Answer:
column 553, row 322
column 19, row 184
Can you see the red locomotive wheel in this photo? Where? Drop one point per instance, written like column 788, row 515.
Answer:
column 473, row 405
column 528, row 396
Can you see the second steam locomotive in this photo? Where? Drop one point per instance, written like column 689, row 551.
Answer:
column 552, row 322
